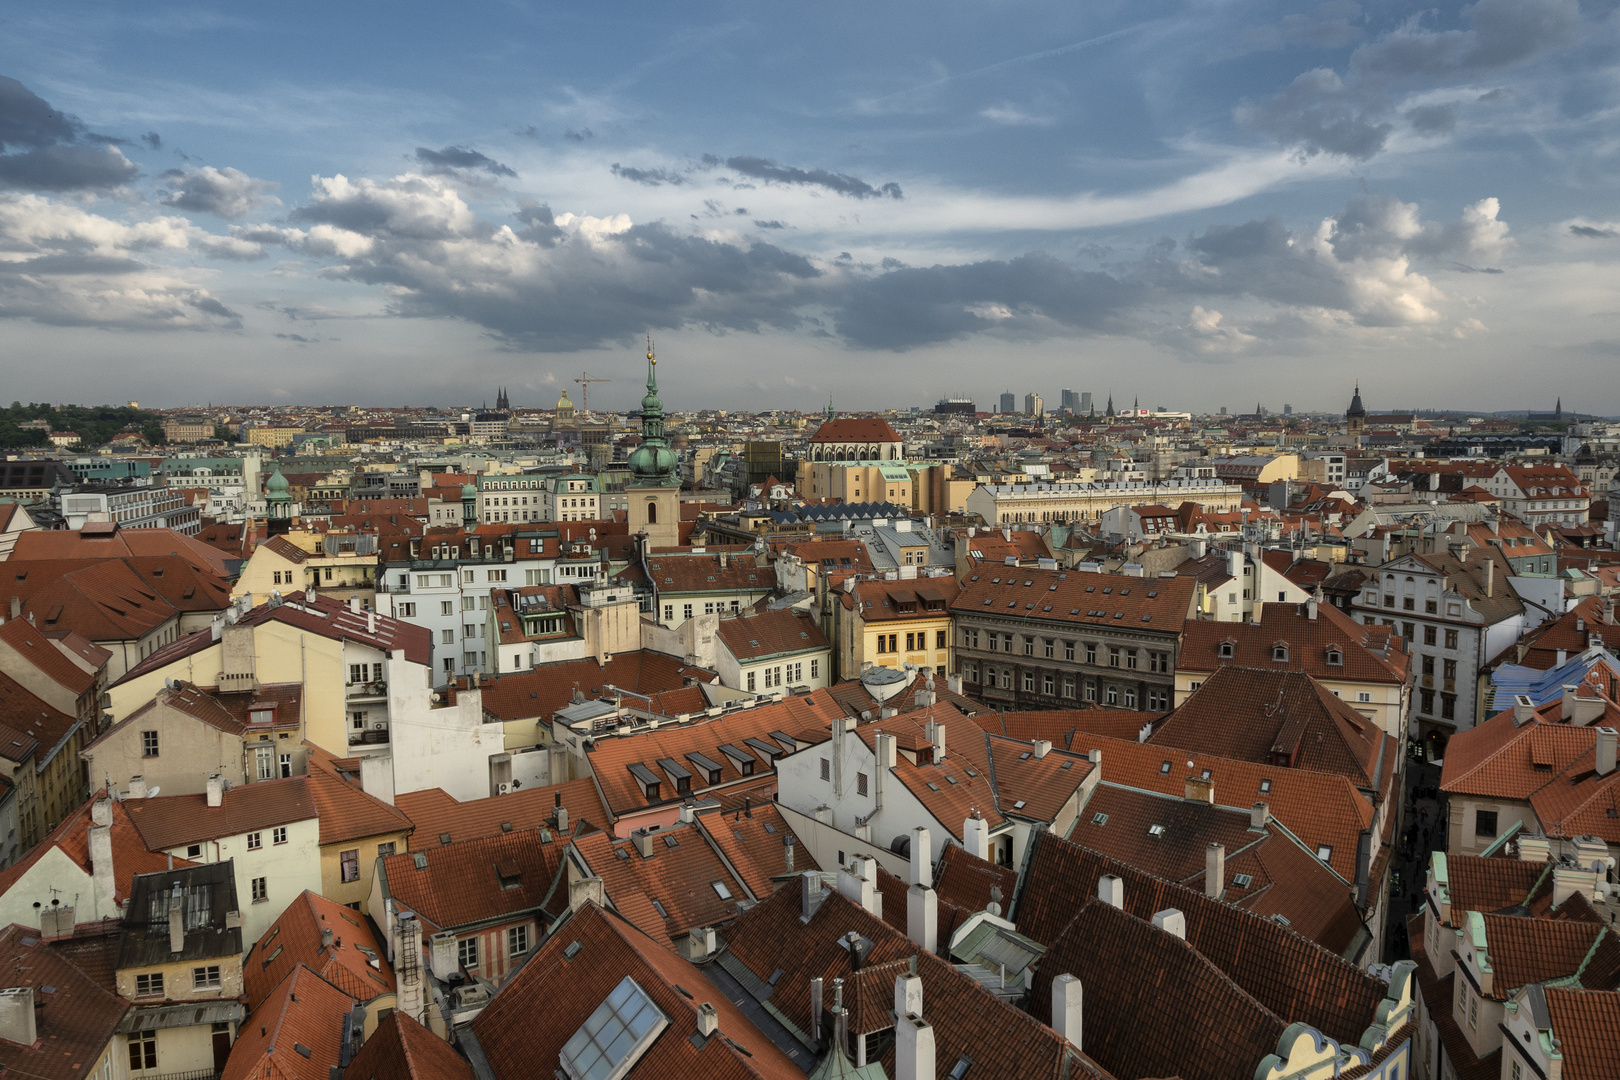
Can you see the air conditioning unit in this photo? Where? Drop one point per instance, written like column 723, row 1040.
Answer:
column 379, row 725
column 503, row 789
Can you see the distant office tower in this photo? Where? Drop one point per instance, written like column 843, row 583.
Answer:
column 1223, row 410
column 1009, row 404
column 1085, row 402
column 1071, row 401
column 959, row 406
column 1288, row 410
column 1033, row 405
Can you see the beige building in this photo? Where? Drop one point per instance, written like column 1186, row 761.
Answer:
column 178, row 429
column 273, row 437
column 1003, row 504
column 340, row 565
column 894, row 623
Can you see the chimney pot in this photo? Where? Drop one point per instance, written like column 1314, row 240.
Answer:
column 708, row 1019
column 216, row 790
column 326, row 937
column 1066, row 1015
column 809, row 894
column 1606, row 746
column 913, row 1049
column 1111, row 890
column 1215, row 871
column 1259, row 815
column 1042, row 748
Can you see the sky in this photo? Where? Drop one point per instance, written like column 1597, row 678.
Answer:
column 1190, row 204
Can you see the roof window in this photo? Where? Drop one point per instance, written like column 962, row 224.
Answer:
column 1242, row 881
column 1099, row 818
column 720, row 889
column 1155, row 830
column 1265, row 786
column 615, row 1035
column 1164, row 769
column 1324, row 852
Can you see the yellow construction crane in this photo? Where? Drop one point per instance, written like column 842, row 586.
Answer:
column 585, row 381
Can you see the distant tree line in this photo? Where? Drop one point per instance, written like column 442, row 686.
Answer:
column 95, row 424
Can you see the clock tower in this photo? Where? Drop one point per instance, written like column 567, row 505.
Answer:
column 653, row 493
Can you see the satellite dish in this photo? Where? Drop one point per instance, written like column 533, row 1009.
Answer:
column 153, row 793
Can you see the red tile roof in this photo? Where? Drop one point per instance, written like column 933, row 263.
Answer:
column 680, row 879
column 1061, row 727
column 1364, row 651
column 402, row 1049
column 753, row 844
column 74, row 1022
column 1587, row 1023
column 709, row 572
column 346, row 811
column 295, row 938
column 102, row 601
column 1072, row 597
column 545, row 1003
column 49, row 653
column 303, row 1011
column 1285, row 718
column 758, row 635
column 434, row 812
column 72, row 837
column 541, row 691
column 171, row 821
column 461, row 883
column 32, row 718
column 58, row 544
column 865, row 429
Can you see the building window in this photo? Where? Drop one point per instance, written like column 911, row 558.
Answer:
column 1335, row 658
column 941, row 638
column 1029, row 646
column 1485, row 823
column 278, row 835
column 149, row 744
column 1068, row 651
column 750, row 680
column 1112, row 695
column 860, row 784
column 686, row 611
column 970, row 639
column 1091, row 690
column 384, row 850
column 1451, row 639
column 1130, row 697
column 815, row 669
column 826, row 769
column 1113, row 655
column 1091, row 652
column 349, row 863
column 255, row 841
column 517, row 940
column 447, row 637
column 149, row 985
column 1029, row 682
column 1068, row 687
column 1006, row 678
column 205, row 978
column 1130, row 659
column 1048, row 684
column 1448, row 706
column 1279, row 653
column 467, row 952
column 260, row 890
column 142, row 1051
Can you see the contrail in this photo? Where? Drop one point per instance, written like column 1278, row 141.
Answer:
column 998, row 65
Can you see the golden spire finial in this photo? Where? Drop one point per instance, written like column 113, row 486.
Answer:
column 650, row 355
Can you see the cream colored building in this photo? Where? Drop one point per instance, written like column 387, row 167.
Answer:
column 895, row 623
column 1002, row 504
column 856, row 481
column 342, row 565
column 273, row 437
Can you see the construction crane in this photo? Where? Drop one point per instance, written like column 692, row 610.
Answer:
column 585, row 381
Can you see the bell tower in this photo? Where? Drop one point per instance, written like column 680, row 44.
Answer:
column 1355, row 418
column 653, row 493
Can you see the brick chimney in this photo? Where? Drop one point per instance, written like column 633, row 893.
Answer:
column 17, row 1016
column 922, row 903
column 1197, row 789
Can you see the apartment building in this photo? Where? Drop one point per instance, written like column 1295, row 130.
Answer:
column 1541, row 494
column 1002, row 504
column 895, row 623
column 132, row 508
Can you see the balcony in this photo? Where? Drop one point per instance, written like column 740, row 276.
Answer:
column 195, row 1074
column 372, row 736
column 359, row 693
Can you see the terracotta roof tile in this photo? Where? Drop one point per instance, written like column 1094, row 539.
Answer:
column 1061, row 727
column 32, row 718
column 1523, row 951
column 756, row 635
column 676, row 574
column 402, row 1049
column 1074, row 598
column 1491, row 884
column 541, row 691
column 57, row 544
column 170, row 821
column 295, row 938
column 1309, row 641
column 753, row 844
column 346, row 811
column 855, row 429
column 680, row 879
column 44, row 653
column 303, row 1011
column 545, row 1003
column 434, row 812
column 460, row 883
column 1588, row 1025
column 74, row 1022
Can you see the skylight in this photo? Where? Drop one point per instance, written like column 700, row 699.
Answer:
column 1099, row 818
column 613, row 1036
column 721, row 890
column 1155, row 830
column 1242, row 881
column 1324, row 852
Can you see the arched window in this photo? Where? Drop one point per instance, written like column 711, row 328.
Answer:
column 652, row 513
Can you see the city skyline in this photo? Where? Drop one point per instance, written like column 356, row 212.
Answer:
column 1224, row 206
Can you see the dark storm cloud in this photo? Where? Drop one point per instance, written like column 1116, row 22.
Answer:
column 841, row 183
column 1323, row 112
column 1432, row 119
column 1031, row 295
column 772, row 224
column 452, row 158
column 649, row 177
column 153, row 140
column 42, row 149
column 1588, row 232
column 227, row 193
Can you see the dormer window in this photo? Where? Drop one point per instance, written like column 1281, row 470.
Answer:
column 1335, row 658
column 1227, row 650
column 1279, row 652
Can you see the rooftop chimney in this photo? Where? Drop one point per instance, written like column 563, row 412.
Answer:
column 1042, row 748
column 442, row 955
column 1606, row 737
column 137, row 787
column 809, row 894
column 408, row 944
column 913, row 1049
column 1259, row 814
column 1490, row 576
column 708, row 1020
column 976, row 835
column 1171, row 921
column 1111, row 890
column 16, row 607
column 561, row 814
column 922, row 903
column 858, row 882
column 908, row 995
column 1523, row 709
column 17, row 1016
column 1197, row 789
column 1533, row 848
column 788, row 844
column 1214, row 871
column 216, row 790
column 326, row 937
column 643, row 841
column 587, row 890
column 1066, row 1008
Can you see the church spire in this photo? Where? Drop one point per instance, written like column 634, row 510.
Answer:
column 829, row 406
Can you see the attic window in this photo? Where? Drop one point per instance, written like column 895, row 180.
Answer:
column 444, row 838
column 1226, row 650
column 932, row 786
column 1152, row 593
column 1242, row 881
column 720, row 889
column 1335, row 658
column 658, row 905
column 1164, row 769
column 960, row 1069
column 1019, row 805
column 670, row 841
column 1265, row 786
column 1099, row 818
column 1324, row 852
column 1155, row 830
column 420, row 859
column 1279, row 653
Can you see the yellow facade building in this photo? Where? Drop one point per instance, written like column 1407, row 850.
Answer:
column 894, row 623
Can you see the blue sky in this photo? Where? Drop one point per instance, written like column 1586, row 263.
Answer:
column 1199, row 204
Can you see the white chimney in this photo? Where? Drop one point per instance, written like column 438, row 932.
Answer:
column 1523, row 709
column 913, row 1049
column 17, row 1016
column 809, row 894
column 908, row 995
column 1111, row 891
column 922, row 903
column 216, row 790
column 177, row 922
column 708, row 1019
column 856, row 883
column 1171, row 921
column 587, row 890
column 976, row 836
column 1259, row 815
column 1606, row 738
column 137, row 787
column 1066, row 1008
column 1214, row 871
column 442, row 956
column 1534, row 848
column 1042, row 748
column 101, row 857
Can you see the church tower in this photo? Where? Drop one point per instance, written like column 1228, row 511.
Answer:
column 1355, row 417
column 654, row 490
